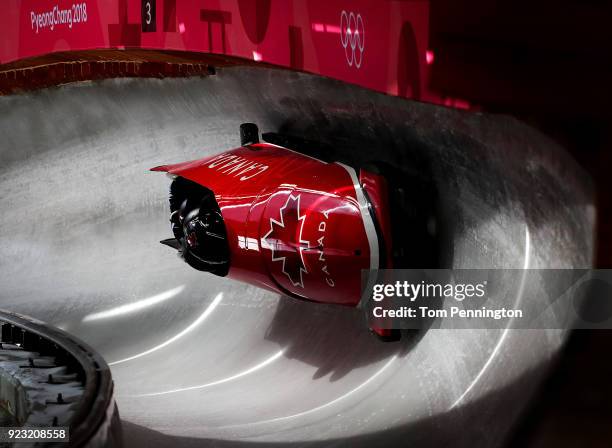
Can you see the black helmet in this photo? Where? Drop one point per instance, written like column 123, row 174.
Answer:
column 199, row 234
column 204, row 236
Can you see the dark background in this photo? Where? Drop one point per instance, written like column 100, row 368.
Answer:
column 548, row 63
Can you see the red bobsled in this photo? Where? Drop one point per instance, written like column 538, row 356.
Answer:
column 281, row 220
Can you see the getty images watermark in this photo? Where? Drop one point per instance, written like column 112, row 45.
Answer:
column 488, row 298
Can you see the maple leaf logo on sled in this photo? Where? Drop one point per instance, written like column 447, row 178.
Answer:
column 285, row 240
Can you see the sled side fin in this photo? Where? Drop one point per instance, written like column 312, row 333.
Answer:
column 171, row 242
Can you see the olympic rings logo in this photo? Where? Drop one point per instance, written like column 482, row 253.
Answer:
column 352, row 37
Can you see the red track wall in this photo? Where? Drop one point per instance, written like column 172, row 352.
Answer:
column 381, row 45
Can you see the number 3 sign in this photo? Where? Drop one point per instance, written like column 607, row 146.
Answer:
column 147, row 8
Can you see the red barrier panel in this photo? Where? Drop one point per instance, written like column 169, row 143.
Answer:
column 381, row 45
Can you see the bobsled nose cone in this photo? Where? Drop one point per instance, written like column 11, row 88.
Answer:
column 171, row 242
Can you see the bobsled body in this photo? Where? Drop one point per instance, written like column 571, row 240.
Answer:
column 294, row 224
